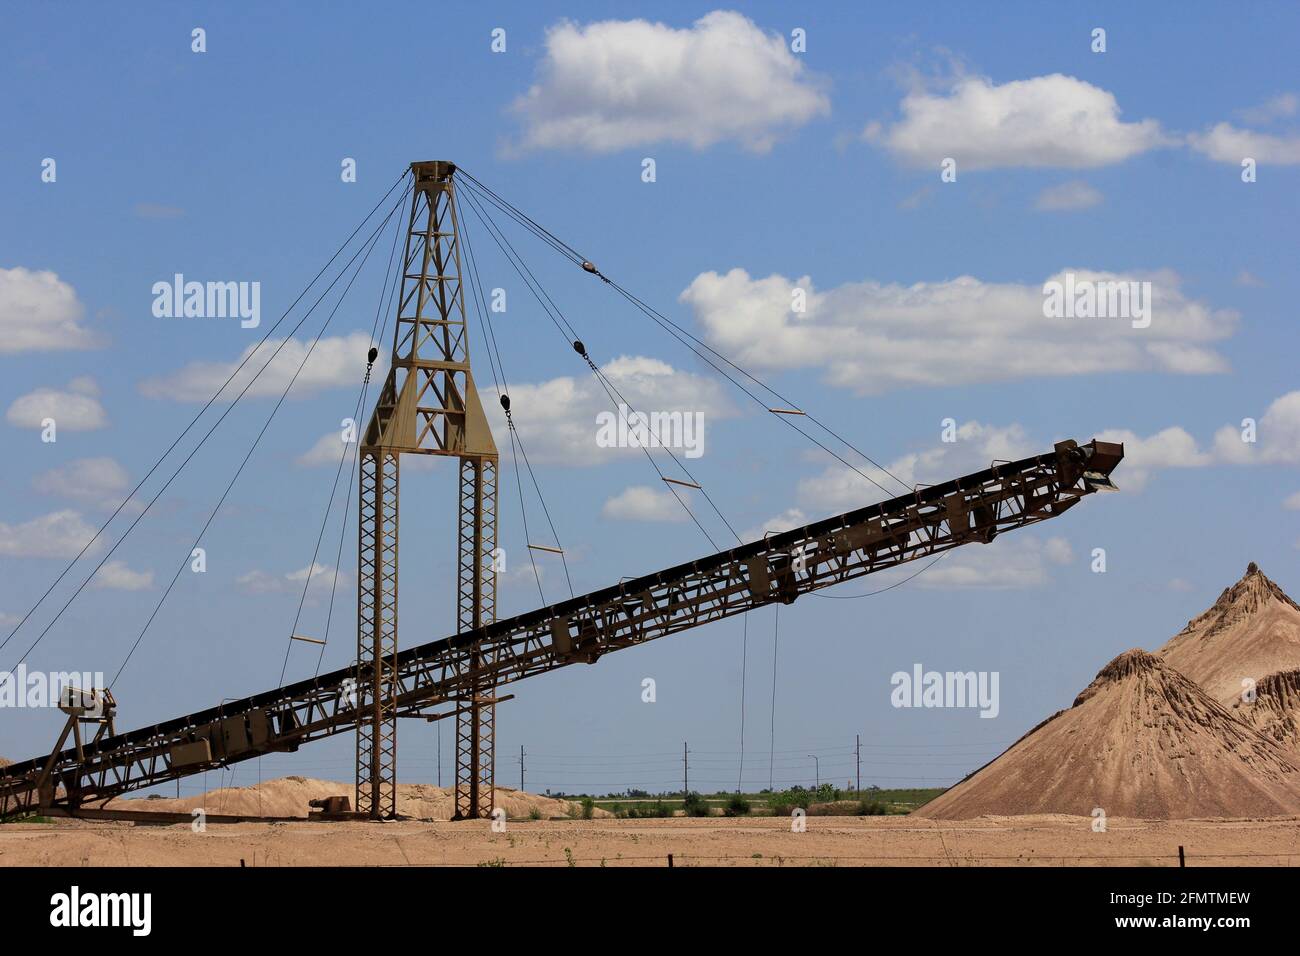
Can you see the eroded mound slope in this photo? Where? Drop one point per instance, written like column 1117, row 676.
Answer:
column 1140, row 741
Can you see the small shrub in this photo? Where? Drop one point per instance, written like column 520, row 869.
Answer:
column 534, row 813
column 588, row 808
column 695, row 805
column 655, row 810
column 737, row 806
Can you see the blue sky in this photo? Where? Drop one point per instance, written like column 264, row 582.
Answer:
column 818, row 169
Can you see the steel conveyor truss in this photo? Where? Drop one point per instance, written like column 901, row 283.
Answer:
column 930, row 520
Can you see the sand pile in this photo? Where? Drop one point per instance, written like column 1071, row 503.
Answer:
column 1250, row 637
column 290, row 796
column 1140, row 741
column 1251, row 631
column 1275, row 712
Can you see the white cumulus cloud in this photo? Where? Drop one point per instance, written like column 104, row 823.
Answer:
column 1171, row 447
column 258, row 581
column 1277, row 436
column 1009, row 562
column 335, row 361
column 74, row 407
column 101, row 482
column 1284, row 104
column 643, row 503
column 557, row 419
column 1045, row 121
column 116, row 576
column 40, row 312
column 787, row 520
column 1068, row 197
column 327, row 450
column 871, row 337
column 839, row 488
column 617, row 84
column 60, row 534
column 1225, row 143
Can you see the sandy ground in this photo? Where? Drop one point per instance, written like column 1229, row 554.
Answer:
column 291, row 796
column 760, row 841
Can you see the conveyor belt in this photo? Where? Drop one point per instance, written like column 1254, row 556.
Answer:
column 931, row 519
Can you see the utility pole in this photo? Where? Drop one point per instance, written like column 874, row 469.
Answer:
column 686, row 772
column 858, row 737
column 439, row 756
column 817, row 765
column 521, row 768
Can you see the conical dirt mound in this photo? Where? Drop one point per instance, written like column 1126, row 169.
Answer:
column 1275, row 711
column 1252, row 631
column 1141, row 741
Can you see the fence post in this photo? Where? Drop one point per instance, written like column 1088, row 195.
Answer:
column 670, row 861
column 1182, row 860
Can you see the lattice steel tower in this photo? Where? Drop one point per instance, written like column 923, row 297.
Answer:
column 428, row 406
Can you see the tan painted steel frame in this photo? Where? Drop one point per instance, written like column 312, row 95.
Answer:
column 429, row 406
